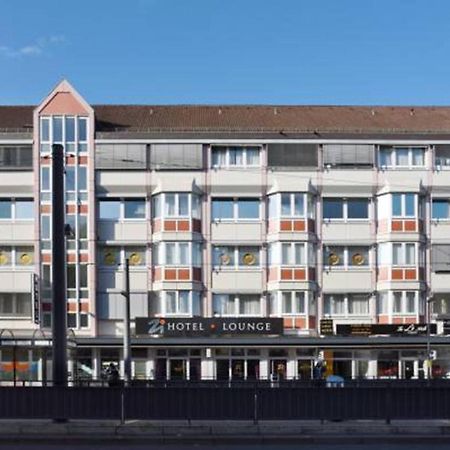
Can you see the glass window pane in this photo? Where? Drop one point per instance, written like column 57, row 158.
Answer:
column 24, row 209
column 109, row 209
column 418, row 155
column 5, row 256
column 248, row 209
column 397, row 204
column 82, row 186
column 299, row 302
column 57, row 129
column 357, row 209
column 24, row 256
column 410, row 205
column 134, row 209
column 169, row 205
column 236, row 156
column 286, row 303
column 410, row 250
column 252, row 156
column 184, row 254
column 82, row 129
column 5, row 209
column 171, row 302
column 83, row 275
column 410, row 302
column 71, row 276
column 402, row 156
column 223, row 304
column 156, row 206
column 219, row 157
column 183, row 300
column 249, row 256
column 286, row 205
column 45, row 130
column 299, row 254
column 385, row 157
column 333, row 209
column 82, row 227
column 397, row 302
column 250, row 305
column 170, row 253
column 358, row 256
column 70, row 178
column 286, row 254
column 135, row 255
column 397, row 254
column 440, row 209
column 45, row 227
column 70, row 129
column 183, row 204
column 222, row 209
column 223, row 256
column 334, row 256
column 45, row 178
column 358, row 304
column 299, row 205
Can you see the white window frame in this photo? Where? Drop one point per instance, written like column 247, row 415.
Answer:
column 403, row 252
column 15, row 314
column 235, row 298
column 440, row 219
column 236, row 217
column 121, row 252
column 345, row 217
column 161, row 198
column 404, row 302
column 393, row 157
column 277, row 297
column 346, row 298
column 228, row 149
column 237, row 265
column 162, row 298
column 160, row 252
column 275, row 257
column 277, row 206
column 346, row 249
column 13, row 201
column 121, row 201
column 403, row 205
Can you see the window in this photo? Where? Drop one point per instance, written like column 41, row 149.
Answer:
column 15, row 304
column 177, row 254
column 113, row 256
column 442, row 155
column 346, row 305
column 236, row 209
column 400, row 254
column 404, row 205
column 176, row 303
column 63, row 130
column 404, row 302
column 236, row 257
column 14, row 157
column 397, row 157
column 288, row 205
column 345, row 155
column 292, row 303
column 346, row 257
column 292, row 155
column 16, row 256
column 176, row 156
column 291, row 254
column 237, row 305
column 348, row 209
column 441, row 303
column 57, row 129
column 440, row 209
column 440, row 258
column 235, row 156
column 17, row 209
column 182, row 205
column 121, row 156
column 122, row 209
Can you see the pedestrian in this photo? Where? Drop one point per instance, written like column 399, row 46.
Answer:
column 112, row 375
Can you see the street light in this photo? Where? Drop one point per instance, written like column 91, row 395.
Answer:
column 430, row 300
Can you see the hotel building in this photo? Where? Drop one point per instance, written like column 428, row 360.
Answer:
column 335, row 220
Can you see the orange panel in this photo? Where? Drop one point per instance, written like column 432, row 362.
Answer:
column 312, row 322
column 84, row 307
column 83, row 209
column 71, row 209
column 45, row 161
column 383, row 319
column 288, row 322
column 410, row 225
column 285, row 225
column 64, row 103
column 70, row 160
column 46, row 209
column 409, row 320
column 170, row 274
column 410, row 274
column 71, row 307
column 46, row 257
column 286, row 274
column 397, row 274
column 397, row 320
column 82, row 160
column 300, row 322
column 397, row 225
column 157, row 274
column 170, row 225
column 71, row 257
column 183, row 274
column 299, row 274
column 84, row 257
column 183, row 225
column 299, row 225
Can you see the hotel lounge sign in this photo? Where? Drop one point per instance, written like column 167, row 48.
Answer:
column 171, row 327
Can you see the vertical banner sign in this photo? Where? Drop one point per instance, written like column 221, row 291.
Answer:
column 36, row 299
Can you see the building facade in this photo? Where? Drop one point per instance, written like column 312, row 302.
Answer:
column 334, row 221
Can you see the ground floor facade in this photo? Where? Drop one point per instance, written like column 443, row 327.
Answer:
column 222, row 359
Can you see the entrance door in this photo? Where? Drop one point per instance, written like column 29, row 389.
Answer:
column 278, row 369
column 407, row 369
column 178, row 369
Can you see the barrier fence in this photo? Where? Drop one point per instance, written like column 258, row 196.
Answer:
column 377, row 401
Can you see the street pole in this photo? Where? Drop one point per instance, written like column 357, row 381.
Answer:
column 59, row 307
column 126, row 324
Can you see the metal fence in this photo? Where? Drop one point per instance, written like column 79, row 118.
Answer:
column 286, row 401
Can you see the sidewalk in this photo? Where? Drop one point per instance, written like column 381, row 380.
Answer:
column 228, row 431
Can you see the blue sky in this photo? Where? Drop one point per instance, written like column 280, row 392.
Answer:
column 228, row 51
